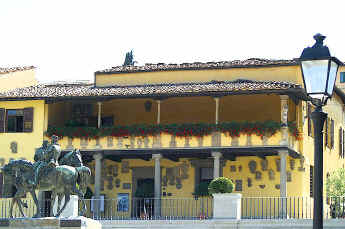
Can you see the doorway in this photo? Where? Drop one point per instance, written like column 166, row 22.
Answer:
column 143, row 192
column 144, row 197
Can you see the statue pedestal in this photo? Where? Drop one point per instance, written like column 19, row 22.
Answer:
column 71, row 209
column 50, row 223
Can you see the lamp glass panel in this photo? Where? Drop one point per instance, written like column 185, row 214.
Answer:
column 315, row 76
column 332, row 77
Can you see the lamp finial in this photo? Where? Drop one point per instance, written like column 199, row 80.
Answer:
column 319, row 40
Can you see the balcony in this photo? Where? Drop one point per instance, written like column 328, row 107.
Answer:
column 174, row 136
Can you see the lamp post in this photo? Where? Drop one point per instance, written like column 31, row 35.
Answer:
column 319, row 71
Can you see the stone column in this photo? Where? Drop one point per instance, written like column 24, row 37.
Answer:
column 284, row 109
column 159, row 111
column 283, row 182
column 46, row 117
column 99, row 123
column 98, row 170
column 217, row 109
column 216, row 164
column 157, row 200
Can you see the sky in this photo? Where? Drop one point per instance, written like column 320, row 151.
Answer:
column 71, row 39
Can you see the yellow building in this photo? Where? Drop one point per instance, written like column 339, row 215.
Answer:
column 172, row 127
column 16, row 77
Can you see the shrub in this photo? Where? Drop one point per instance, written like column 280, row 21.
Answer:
column 221, row 185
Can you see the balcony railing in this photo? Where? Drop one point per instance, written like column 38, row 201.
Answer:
column 190, row 208
column 234, row 134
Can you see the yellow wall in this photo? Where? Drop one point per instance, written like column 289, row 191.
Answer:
column 27, row 142
column 282, row 73
column 17, row 79
column 181, row 110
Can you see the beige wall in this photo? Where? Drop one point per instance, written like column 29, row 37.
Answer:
column 279, row 73
column 17, row 79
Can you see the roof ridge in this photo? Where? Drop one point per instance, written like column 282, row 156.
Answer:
column 4, row 70
column 149, row 67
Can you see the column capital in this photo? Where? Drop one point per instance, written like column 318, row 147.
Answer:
column 97, row 156
column 156, row 156
column 216, row 154
column 284, row 97
column 99, row 103
column 283, row 153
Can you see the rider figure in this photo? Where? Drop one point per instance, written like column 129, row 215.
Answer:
column 46, row 156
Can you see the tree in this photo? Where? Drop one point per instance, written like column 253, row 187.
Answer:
column 335, row 186
column 129, row 59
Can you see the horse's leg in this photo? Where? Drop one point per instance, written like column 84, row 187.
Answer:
column 52, row 202
column 67, row 198
column 59, row 202
column 11, row 206
column 81, row 197
column 38, row 209
column 20, row 204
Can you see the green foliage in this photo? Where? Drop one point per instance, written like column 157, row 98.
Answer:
column 221, row 185
column 201, row 189
column 267, row 128
column 335, row 183
column 129, row 59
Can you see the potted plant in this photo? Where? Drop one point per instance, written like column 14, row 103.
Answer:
column 226, row 204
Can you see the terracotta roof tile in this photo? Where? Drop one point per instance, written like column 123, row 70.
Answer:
column 88, row 90
column 15, row 69
column 252, row 62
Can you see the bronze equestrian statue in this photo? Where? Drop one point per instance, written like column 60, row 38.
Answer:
column 48, row 174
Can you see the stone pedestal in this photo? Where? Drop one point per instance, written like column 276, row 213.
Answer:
column 227, row 206
column 50, row 223
column 71, row 209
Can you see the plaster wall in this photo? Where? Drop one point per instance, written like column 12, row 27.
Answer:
column 27, row 142
column 17, row 79
column 279, row 73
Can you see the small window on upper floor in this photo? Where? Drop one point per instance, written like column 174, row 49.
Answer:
column 16, row 120
column 342, row 77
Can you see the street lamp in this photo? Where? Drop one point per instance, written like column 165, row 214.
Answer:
column 319, row 71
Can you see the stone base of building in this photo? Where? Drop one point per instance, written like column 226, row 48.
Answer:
column 50, row 223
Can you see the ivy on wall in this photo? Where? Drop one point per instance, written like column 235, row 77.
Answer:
column 233, row 129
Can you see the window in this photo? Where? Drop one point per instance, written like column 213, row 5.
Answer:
column 342, row 77
column 341, row 143
column 16, row 120
column 206, row 175
column 329, row 133
column 310, row 109
column 311, row 176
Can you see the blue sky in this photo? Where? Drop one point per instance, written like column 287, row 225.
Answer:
column 71, row 39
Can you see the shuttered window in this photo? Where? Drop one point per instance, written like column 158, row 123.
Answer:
column 2, row 120
column 341, row 143
column 1, row 182
column 329, row 133
column 332, row 134
column 311, row 184
column 343, row 154
column 28, row 119
column 326, row 132
column 310, row 121
column 16, row 120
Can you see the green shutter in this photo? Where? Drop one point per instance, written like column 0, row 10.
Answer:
column 28, row 119
column 2, row 120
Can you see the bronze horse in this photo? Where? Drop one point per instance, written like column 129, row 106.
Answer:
column 61, row 180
